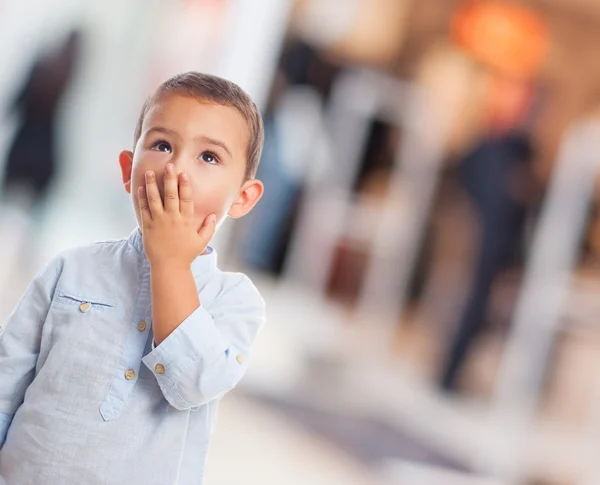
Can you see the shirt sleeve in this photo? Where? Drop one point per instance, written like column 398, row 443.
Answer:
column 20, row 337
column 207, row 354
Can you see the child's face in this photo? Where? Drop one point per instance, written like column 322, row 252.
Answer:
column 207, row 141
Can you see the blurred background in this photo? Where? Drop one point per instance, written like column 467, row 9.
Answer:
column 428, row 244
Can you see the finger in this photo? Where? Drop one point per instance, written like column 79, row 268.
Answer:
column 153, row 195
column 207, row 230
column 186, row 196
column 143, row 204
column 170, row 184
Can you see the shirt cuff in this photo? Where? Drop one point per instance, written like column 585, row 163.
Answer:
column 5, row 420
column 195, row 340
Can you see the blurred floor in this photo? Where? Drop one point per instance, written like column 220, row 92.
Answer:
column 255, row 445
column 330, row 374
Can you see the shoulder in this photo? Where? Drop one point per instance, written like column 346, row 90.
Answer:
column 80, row 263
column 94, row 253
column 105, row 272
column 93, row 260
column 96, row 248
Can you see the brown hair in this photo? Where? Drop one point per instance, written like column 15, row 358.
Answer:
column 220, row 91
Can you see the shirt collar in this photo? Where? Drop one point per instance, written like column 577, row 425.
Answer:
column 202, row 265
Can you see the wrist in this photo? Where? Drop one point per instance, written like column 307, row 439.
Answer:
column 169, row 267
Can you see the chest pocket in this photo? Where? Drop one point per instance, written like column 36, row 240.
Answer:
column 83, row 304
column 80, row 317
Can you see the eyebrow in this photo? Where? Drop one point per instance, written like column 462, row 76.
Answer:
column 214, row 141
column 160, row 129
column 204, row 138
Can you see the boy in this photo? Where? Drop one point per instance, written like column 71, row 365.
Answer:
column 113, row 362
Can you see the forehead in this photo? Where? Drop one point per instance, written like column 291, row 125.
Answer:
column 189, row 116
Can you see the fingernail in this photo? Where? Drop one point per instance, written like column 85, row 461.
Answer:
column 149, row 175
column 184, row 176
column 169, row 168
column 213, row 219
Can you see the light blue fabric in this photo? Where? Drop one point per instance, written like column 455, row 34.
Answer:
column 84, row 396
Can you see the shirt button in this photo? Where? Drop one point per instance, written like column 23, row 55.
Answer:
column 240, row 359
column 84, row 307
column 129, row 374
column 142, row 326
column 160, row 369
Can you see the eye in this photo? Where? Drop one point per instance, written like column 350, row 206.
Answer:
column 161, row 146
column 209, row 157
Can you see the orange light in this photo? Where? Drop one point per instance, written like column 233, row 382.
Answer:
column 503, row 35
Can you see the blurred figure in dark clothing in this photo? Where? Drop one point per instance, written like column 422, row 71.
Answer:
column 31, row 162
column 496, row 174
column 270, row 226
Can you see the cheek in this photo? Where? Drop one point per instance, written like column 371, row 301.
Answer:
column 210, row 200
column 149, row 160
column 137, row 180
column 152, row 161
column 137, row 176
column 210, row 194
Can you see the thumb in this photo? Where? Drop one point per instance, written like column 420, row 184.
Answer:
column 207, row 229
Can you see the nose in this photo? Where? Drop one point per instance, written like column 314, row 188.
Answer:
column 181, row 162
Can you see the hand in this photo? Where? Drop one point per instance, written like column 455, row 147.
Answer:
column 170, row 238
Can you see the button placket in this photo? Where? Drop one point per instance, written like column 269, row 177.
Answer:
column 131, row 359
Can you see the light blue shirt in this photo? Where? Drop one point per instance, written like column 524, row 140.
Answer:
column 85, row 398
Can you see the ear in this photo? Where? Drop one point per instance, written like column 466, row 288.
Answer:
column 249, row 195
column 126, row 163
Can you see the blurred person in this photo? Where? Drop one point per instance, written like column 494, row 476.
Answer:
column 496, row 174
column 302, row 84
column 31, row 162
column 113, row 363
